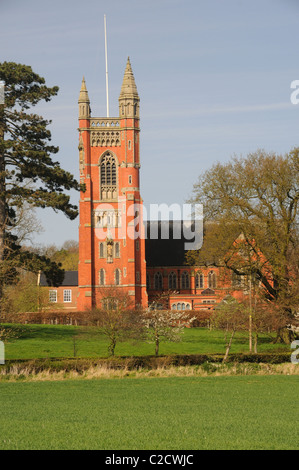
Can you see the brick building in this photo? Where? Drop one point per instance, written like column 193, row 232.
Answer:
column 115, row 249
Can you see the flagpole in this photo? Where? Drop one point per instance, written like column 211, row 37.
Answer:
column 106, row 58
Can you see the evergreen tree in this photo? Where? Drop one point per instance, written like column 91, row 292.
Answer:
column 28, row 173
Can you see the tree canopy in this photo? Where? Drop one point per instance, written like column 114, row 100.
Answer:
column 28, row 173
column 256, row 199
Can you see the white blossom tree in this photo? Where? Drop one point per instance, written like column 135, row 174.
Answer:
column 165, row 325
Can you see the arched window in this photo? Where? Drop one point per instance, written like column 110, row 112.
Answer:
column 108, row 177
column 212, row 280
column 158, row 281
column 180, row 306
column 102, row 250
column 117, row 277
column 185, row 281
column 102, row 277
column 172, row 281
column 199, row 281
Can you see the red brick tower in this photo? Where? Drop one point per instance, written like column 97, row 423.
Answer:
column 111, row 240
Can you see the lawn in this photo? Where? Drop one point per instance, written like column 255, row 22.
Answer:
column 158, row 413
column 42, row 341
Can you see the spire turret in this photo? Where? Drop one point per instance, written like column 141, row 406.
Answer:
column 129, row 98
column 84, row 102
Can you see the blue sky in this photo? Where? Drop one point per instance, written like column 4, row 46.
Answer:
column 213, row 78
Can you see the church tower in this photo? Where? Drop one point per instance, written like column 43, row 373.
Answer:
column 111, row 232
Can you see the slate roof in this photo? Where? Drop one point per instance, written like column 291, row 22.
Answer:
column 70, row 279
column 164, row 250
column 161, row 249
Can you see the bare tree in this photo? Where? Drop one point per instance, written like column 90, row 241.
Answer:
column 230, row 316
column 256, row 197
column 117, row 319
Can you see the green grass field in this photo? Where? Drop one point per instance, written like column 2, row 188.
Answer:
column 158, row 413
column 152, row 413
column 42, row 341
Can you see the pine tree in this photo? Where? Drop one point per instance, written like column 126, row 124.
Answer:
column 28, row 173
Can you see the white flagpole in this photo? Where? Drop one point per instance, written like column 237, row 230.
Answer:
column 106, row 57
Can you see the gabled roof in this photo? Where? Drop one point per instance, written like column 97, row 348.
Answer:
column 208, row 291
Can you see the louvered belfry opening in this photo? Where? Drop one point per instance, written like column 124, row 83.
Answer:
column 108, row 177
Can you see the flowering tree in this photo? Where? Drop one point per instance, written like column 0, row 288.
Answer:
column 165, row 325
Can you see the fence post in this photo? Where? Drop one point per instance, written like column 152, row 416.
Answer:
column 2, row 353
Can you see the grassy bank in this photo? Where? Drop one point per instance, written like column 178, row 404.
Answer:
column 28, row 373
column 42, row 341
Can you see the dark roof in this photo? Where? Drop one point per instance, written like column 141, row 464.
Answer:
column 70, row 279
column 165, row 242
column 164, row 246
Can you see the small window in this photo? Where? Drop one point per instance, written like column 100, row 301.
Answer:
column 102, row 251
column 199, row 282
column 137, row 276
column 158, row 281
column 130, row 179
column 172, row 281
column 102, row 277
column 117, row 251
column 180, row 306
column 53, row 296
column 67, row 295
column 185, row 281
column 117, row 277
column 129, row 145
column 212, row 280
